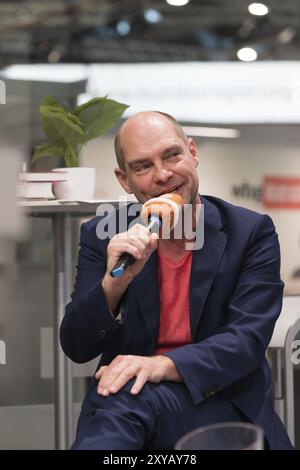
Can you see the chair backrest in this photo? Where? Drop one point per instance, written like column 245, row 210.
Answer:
column 290, row 313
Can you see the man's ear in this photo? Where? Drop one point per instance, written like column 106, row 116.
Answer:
column 122, row 178
column 194, row 151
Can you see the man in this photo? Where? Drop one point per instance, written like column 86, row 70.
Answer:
column 183, row 333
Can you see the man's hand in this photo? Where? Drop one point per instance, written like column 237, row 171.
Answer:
column 146, row 369
column 138, row 241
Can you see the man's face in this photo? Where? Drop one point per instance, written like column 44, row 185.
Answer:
column 157, row 159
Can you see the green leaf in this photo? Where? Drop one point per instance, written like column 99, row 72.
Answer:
column 51, row 102
column 71, row 156
column 89, row 103
column 99, row 115
column 75, row 120
column 53, row 105
column 60, row 128
column 47, row 150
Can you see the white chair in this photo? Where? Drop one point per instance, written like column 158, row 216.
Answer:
column 280, row 353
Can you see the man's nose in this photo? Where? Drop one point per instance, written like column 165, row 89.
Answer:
column 162, row 175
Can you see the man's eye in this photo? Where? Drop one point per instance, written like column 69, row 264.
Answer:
column 140, row 168
column 174, row 154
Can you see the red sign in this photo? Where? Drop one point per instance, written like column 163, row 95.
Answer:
column 281, row 192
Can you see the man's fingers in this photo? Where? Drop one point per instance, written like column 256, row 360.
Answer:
column 99, row 372
column 123, row 368
column 98, row 376
column 124, row 377
column 139, row 230
column 139, row 383
column 125, row 246
column 135, row 246
column 153, row 242
column 152, row 245
column 111, row 376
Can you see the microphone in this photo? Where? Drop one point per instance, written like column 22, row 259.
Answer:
column 160, row 213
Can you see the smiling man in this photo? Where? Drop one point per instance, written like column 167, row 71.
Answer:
column 183, row 333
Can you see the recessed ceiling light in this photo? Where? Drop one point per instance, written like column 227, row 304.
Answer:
column 286, row 35
column 54, row 56
column 258, row 9
column 152, row 16
column 247, row 54
column 221, row 132
column 123, row 27
column 177, row 3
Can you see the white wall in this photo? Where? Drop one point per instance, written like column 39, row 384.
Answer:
column 100, row 154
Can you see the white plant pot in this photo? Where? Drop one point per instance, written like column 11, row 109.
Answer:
column 79, row 184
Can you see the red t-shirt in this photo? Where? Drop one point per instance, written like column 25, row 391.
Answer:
column 174, row 289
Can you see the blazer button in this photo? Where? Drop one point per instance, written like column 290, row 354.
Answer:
column 104, row 332
column 210, row 391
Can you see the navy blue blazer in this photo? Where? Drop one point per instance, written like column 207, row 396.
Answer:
column 235, row 299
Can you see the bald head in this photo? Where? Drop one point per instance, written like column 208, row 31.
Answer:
column 136, row 123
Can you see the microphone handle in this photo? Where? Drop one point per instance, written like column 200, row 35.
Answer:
column 126, row 259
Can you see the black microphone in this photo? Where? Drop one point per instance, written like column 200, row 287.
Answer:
column 126, row 259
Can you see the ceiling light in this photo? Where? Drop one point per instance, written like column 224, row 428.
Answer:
column 221, row 132
column 54, row 56
column 247, row 54
column 286, row 35
column 258, row 9
column 123, row 27
column 177, row 3
column 152, row 16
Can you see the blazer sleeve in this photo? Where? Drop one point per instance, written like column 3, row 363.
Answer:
column 238, row 348
column 88, row 325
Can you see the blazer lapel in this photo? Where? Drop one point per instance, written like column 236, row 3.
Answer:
column 145, row 286
column 205, row 263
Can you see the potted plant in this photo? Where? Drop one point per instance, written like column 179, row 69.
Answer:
column 67, row 133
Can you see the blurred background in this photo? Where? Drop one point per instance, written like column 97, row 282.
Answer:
column 229, row 71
